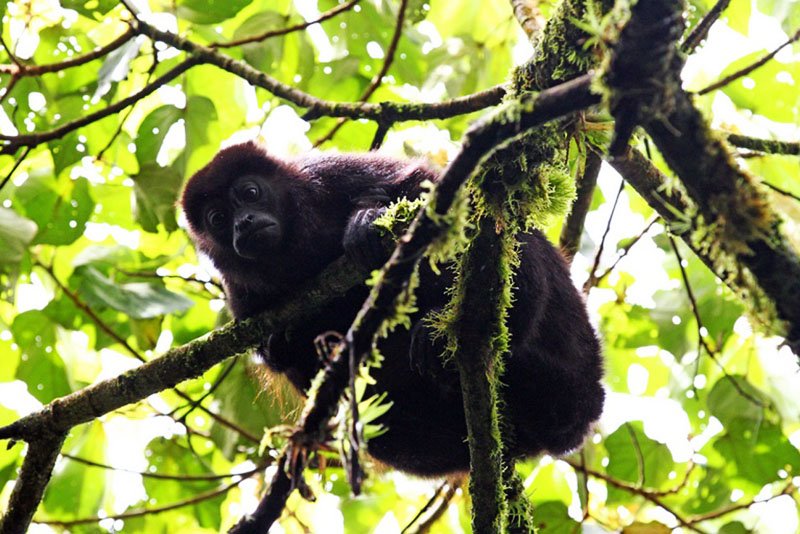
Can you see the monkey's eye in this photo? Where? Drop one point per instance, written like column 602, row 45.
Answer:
column 250, row 193
column 216, row 218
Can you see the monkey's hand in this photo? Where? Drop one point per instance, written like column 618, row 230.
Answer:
column 362, row 241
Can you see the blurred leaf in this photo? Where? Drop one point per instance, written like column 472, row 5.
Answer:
column 60, row 209
column 40, row 365
column 245, row 402
column 65, row 151
column 552, row 518
column 635, row 458
column 139, row 300
column 16, row 233
column 169, row 458
column 90, row 8
column 77, row 489
column 775, row 78
column 152, row 132
column 156, row 191
column 209, row 11
column 757, row 450
column 727, row 403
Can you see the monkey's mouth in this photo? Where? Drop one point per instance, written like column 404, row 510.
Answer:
column 257, row 240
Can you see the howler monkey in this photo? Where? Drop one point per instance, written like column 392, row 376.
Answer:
column 269, row 224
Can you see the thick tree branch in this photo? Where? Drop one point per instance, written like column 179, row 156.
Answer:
column 184, row 362
column 35, row 473
column 479, row 323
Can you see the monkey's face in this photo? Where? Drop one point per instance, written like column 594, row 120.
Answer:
column 249, row 219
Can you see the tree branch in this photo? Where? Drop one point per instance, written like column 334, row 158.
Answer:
column 13, row 142
column 35, row 473
column 735, row 211
column 21, row 70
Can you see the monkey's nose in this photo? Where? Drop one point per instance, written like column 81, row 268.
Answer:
column 242, row 223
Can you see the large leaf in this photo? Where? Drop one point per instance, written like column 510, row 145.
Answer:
column 152, row 131
column 16, row 233
column 77, row 488
column 60, row 209
column 210, row 11
column 40, row 365
column 770, row 90
column 757, row 451
column 140, row 300
column 635, row 458
column 156, row 191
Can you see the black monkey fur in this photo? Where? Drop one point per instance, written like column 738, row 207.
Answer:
column 269, row 224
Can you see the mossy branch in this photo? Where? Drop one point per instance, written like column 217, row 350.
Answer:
column 738, row 228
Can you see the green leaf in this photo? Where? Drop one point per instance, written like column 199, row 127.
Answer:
column 152, row 132
column 243, row 400
column 727, row 403
column 76, row 489
column 60, row 209
column 139, row 300
column 634, row 457
column 770, row 90
column 156, row 191
column 553, row 518
column 210, row 11
column 757, row 451
column 65, row 152
column 262, row 55
column 40, row 366
column 16, row 233
column 169, row 458
column 90, row 8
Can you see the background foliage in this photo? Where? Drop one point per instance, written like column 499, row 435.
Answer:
column 702, row 424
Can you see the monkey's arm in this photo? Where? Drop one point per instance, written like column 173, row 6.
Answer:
column 362, row 241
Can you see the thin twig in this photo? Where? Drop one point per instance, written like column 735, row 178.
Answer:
column 205, row 496
column 289, row 29
column 22, row 70
column 377, row 80
column 750, row 68
column 162, row 476
column 592, row 281
column 627, row 248
column 712, row 352
column 782, row 191
column 31, row 140
column 647, row 494
column 701, row 30
column 15, row 167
